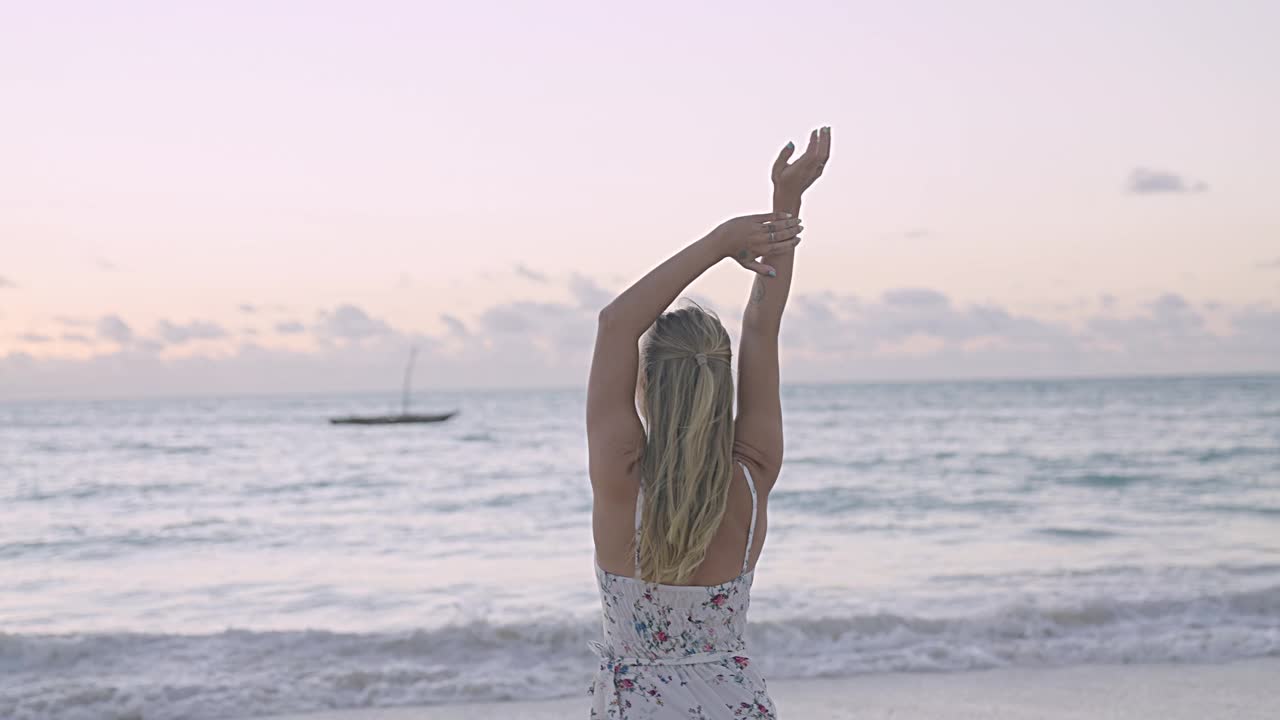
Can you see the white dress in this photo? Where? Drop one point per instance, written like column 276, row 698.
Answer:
column 675, row 651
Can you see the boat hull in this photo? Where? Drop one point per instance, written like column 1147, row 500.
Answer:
column 403, row 419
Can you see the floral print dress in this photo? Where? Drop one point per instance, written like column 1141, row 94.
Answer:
column 675, row 651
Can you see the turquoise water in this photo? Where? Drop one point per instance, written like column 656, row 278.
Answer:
column 203, row 558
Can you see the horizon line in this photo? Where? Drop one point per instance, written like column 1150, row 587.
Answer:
column 994, row 379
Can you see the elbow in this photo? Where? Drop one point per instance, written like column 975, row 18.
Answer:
column 617, row 322
column 607, row 317
column 613, row 324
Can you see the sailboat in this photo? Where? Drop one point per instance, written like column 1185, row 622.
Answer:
column 405, row 416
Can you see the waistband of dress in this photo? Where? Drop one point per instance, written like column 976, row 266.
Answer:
column 692, row 659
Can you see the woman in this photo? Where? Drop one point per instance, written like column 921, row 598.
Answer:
column 680, row 499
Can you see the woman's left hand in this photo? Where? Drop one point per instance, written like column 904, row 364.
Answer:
column 750, row 237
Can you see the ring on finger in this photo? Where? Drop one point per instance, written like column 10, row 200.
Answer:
column 771, row 236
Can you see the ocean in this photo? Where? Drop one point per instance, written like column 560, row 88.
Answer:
column 211, row 558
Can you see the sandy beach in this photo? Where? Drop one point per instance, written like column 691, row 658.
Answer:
column 1244, row 690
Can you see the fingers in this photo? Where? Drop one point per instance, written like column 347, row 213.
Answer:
column 767, row 217
column 824, row 145
column 777, row 232
column 782, row 234
column 781, row 162
column 811, row 150
column 784, row 246
column 772, row 238
column 759, row 267
column 779, row 225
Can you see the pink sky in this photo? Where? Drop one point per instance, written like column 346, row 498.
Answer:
column 254, row 196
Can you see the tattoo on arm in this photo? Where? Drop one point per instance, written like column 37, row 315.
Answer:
column 757, row 291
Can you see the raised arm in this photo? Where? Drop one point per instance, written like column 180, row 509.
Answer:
column 614, row 434
column 758, row 428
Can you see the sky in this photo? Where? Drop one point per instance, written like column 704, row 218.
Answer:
column 256, row 197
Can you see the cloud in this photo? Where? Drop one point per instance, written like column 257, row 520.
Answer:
column 111, row 327
column 1169, row 320
column 919, row 334
column 916, row 297
column 290, row 327
column 348, row 322
column 906, row 320
column 557, row 333
column 250, row 368
column 71, row 321
column 903, row 334
column 588, row 294
column 529, row 274
column 34, row 338
column 1145, row 181
column 1269, row 265
column 104, row 264
column 248, row 308
column 456, row 326
column 178, row 334
column 1260, row 324
column 518, row 317
column 1170, row 335
column 6, row 283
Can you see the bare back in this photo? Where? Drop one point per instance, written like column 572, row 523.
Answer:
column 613, row 523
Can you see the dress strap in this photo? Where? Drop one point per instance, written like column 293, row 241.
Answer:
column 751, row 533
column 639, row 505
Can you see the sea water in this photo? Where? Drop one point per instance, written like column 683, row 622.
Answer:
column 208, row 558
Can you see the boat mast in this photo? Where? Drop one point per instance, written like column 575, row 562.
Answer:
column 408, row 375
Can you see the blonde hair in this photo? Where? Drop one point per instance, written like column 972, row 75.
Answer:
column 686, row 399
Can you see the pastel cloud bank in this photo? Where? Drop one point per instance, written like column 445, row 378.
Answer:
column 907, row 333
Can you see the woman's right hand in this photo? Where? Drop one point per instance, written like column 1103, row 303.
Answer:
column 791, row 179
column 750, row 237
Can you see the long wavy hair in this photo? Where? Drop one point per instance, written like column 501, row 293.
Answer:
column 685, row 393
